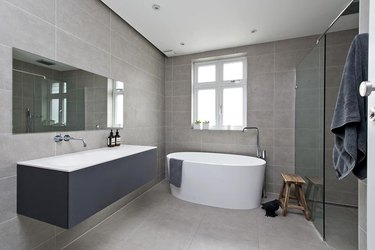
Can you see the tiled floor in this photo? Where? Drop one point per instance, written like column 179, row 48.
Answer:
column 157, row 220
column 342, row 227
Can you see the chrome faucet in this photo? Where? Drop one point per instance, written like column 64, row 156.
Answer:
column 68, row 138
column 259, row 153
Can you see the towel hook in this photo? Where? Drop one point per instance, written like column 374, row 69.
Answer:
column 366, row 88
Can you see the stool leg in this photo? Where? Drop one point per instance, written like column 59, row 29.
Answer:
column 281, row 195
column 315, row 198
column 303, row 202
column 286, row 199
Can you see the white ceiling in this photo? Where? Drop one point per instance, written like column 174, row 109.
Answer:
column 211, row 24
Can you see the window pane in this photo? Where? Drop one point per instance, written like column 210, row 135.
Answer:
column 233, row 71
column 64, row 112
column 119, row 110
column 54, row 113
column 206, row 73
column 206, row 106
column 55, row 88
column 64, row 87
column 233, row 106
column 119, row 85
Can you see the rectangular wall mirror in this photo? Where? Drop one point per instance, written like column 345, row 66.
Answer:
column 52, row 96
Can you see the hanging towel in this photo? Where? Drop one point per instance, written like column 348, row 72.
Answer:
column 175, row 172
column 349, row 123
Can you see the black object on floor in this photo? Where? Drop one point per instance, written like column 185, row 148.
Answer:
column 271, row 207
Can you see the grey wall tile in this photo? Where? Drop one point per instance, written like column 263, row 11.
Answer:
column 73, row 51
column 5, row 68
column 25, row 31
column 5, row 111
column 45, row 9
column 181, row 87
column 340, row 37
column 97, row 9
column 81, row 23
column 336, row 55
column 288, row 61
column 261, row 64
column 7, row 198
column 283, row 118
column 285, row 81
column 182, row 73
column 305, row 43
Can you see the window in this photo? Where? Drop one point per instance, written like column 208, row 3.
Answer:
column 219, row 93
column 115, row 114
column 57, row 103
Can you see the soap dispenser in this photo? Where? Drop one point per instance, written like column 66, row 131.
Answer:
column 117, row 138
column 111, row 140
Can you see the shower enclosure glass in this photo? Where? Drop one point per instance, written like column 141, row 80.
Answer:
column 332, row 203
column 309, row 130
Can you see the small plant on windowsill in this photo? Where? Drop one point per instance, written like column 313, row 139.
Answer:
column 197, row 124
column 206, row 124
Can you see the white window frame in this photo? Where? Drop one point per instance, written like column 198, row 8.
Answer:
column 112, row 108
column 219, row 85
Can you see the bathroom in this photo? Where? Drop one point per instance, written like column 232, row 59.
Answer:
column 115, row 41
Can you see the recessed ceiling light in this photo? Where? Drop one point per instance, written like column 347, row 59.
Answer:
column 254, row 31
column 156, row 6
column 182, row 43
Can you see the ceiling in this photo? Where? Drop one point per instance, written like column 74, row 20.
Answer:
column 204, row 25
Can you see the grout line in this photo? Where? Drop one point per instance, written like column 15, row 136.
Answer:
column 7, row 177
column 43, row 242
column 195, row 233
column 27, row 12
column 6, row 221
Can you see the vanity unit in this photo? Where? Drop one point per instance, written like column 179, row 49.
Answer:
column 64, row 190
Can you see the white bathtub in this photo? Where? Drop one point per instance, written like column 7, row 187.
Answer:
column 220, row 180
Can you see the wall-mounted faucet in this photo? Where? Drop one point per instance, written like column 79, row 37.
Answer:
column 59, row 138
column 259, row 153
column 68, row 138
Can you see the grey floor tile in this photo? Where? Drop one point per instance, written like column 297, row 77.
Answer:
column 157, row 220
column 204, row 242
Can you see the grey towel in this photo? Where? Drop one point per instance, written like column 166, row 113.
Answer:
column 175, row 172
column 349, row 123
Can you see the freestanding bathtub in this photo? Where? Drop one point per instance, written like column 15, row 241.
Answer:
column 220, row 180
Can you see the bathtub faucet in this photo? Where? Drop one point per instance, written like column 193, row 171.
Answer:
column 259, row 153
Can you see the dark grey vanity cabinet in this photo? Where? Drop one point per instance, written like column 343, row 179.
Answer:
column 65, row 199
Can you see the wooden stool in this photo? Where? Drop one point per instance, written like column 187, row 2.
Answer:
column 284, row 197
column 314, row 184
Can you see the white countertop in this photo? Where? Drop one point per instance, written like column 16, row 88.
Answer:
column 76, row 161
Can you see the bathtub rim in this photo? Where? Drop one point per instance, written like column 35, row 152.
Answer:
column 261, row 164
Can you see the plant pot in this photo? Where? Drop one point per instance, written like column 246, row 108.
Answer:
column 197, row 125
column 206, row 126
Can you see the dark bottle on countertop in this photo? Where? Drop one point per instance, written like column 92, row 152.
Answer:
column 111, row 140
column 117, row 138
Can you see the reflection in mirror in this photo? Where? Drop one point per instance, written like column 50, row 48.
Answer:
column 52, row 96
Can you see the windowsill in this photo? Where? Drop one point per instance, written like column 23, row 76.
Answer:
column 218, row 129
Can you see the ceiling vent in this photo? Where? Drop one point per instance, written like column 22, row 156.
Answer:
column 45, row 62
column 169, row 52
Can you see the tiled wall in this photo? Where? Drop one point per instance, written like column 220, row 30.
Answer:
column 87, row 35
column 271, row 94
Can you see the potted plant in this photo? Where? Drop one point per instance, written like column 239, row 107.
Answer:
column 206, row 124
column 197, row 124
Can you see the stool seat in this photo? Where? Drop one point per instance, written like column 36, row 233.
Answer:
column 293, row 178
column 297, row 181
